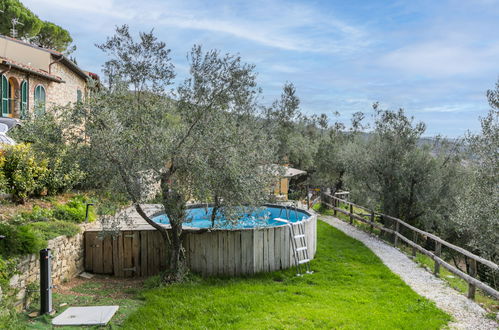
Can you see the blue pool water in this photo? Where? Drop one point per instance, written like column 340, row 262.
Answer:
column 262, row 217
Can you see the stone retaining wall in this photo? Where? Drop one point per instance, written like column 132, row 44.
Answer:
column 67, row 262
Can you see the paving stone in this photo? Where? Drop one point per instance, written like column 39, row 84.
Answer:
column 92, row 315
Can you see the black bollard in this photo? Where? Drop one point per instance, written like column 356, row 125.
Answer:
column 45, row 282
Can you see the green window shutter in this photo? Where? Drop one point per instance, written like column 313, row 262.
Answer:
column 5, row 97
column 24, row 99
column 79, row 97
column 39, row 100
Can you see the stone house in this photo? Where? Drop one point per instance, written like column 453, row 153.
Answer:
column 35, row 79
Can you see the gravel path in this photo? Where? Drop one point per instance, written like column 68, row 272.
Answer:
column 467, row 314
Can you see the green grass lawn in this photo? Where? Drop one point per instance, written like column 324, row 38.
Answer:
column 350, row 289
column 97, row 291
column 489, row 303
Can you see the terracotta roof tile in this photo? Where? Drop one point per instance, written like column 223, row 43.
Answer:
column 21, row 66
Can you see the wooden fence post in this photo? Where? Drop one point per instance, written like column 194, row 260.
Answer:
column 395, row 236
column 415, row 240
column 351, row 212
column 372, row 220
column 472, row 273
column 335, row 205
column 438, row 251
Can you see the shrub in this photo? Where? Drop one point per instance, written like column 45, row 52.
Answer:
column 20, row 240
column 52, row 229
column 36, row 214
column 74, row 210
column 23, row 173
column 63, row 174
column 3, row 180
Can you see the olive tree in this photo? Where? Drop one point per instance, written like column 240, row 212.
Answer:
column 330, row 160
column 196, row 141
column 390, row 170
column 476, row 219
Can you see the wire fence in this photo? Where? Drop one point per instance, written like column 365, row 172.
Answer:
column 476, row 271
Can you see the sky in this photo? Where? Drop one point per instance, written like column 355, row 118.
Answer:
column 435, row 59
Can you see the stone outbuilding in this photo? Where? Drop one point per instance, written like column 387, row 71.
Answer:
column 35, row 79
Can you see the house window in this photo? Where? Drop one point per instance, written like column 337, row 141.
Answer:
column 39, row 100
column 24, row 99
column 5, row 97
column 79, row 97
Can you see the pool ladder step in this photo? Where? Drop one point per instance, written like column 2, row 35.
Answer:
column 299, row 247
column 298, row 243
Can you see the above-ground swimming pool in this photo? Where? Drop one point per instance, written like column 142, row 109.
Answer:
column 200, row 217
column 256, row 243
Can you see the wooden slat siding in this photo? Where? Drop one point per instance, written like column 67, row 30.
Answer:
column 150, row 253
column 215, row 253
column 221, row 252
column 159, row 242
column 237, row 252
column 143, row 253
column 157, row 251
column 284, row 247
column 271, row 250
column 185, row 244
column 120, row 255
column 89, row 239
column 209, row 252
column 127, row 254
column 198, row 254
column 310, row 240
column 233, row 252
column 151, row 260
column 226, row 270
column 201, row 240
column 97, row 252
column 277, row 248
column 115, row 255
column 108, row 255
column 287, row 248
column 247, row 252
column 258, row 250
column 163, row 253
column 315, row 235
column 155, row 269
column 136, row 253
column 265, row 240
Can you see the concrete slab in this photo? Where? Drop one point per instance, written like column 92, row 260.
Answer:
column 92, row 315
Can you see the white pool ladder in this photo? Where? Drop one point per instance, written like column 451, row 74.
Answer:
column 298, row 246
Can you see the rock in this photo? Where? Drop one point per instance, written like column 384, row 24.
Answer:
column 86, row 275
column 33, row 314
column 63, row 304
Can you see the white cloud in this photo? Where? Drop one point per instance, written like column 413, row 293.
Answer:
column 436, row 59
column 279, row 25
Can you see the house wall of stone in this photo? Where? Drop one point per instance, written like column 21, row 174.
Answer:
column 67, row 262
column 56, row 94
column 63, row 93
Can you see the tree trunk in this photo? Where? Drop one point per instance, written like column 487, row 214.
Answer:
column 214, row 211
column 175, row 208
